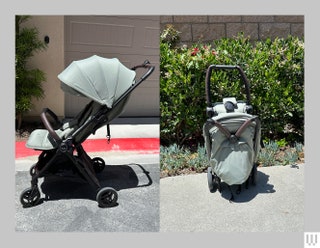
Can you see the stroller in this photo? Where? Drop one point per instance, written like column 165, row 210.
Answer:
column 232, row 137
column 108, row 84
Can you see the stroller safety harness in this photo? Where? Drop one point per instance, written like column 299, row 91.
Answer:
column 108, row 84
column 232, row 137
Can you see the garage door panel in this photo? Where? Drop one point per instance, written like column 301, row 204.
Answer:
column 137, row 104
column 122, row 35
column 98, row 34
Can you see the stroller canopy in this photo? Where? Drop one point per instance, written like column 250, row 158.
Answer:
column 100, row 79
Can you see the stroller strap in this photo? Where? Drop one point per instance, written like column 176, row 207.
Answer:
column 108, row 133
column 232, row 137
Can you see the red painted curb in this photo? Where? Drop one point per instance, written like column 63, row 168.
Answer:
column 149, row 145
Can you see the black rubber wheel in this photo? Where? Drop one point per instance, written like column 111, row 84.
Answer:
column 30, row 197
column 33, row 170
column 107, row 197
column 254, row 174
column 98, row 164
column 210, row 180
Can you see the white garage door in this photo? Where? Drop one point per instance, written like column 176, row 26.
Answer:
column 131, row 39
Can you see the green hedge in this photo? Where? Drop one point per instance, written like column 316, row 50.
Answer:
column 275, row 69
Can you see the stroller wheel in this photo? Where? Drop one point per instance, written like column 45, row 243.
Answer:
column 213, row 181
column 33, row 170
column 254, row 174
column 98, row 164
column 30, row 197
column 210, row 180
column 107, row 197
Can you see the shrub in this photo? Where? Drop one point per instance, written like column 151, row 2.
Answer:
column 28, row 81
column 274, row 68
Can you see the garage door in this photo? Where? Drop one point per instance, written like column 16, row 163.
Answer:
column 131, row 39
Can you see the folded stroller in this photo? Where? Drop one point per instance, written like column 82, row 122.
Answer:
column 108, row 84
column 232, row 137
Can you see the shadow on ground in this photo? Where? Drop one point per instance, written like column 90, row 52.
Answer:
column 68, row 185
column 247, row 193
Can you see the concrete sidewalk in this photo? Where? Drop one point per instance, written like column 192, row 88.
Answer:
column 69, row 203
column 275, row 204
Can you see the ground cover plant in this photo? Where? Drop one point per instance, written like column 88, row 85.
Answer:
column 176, row 160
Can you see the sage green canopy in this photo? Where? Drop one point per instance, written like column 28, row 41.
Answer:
column 100, row 79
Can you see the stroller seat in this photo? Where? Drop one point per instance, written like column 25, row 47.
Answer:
column 41, row 139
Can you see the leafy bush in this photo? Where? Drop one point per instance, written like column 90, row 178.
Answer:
column 28, row 81
column 274, row 68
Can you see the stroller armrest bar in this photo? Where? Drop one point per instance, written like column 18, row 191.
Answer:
column 53, row 115
column 47, row 124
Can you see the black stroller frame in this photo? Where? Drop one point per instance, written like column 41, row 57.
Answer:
column 62, row 157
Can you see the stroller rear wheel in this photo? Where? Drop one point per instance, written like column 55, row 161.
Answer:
column 30, row 197
column 107, row 197
column 213, row 181
column 210, row 179
column 98, row 164
column 254, row 174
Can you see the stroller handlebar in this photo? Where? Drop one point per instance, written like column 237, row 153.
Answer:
column 226, row 67
column 146, row 64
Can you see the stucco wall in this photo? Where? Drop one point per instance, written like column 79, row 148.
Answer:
column 51, row 61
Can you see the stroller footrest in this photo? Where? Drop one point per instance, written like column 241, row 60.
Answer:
column 40, row 139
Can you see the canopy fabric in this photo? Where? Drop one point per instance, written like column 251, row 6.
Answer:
column 100, row 79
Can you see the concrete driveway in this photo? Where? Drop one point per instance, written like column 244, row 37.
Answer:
column 275, row 204
column 72, row 206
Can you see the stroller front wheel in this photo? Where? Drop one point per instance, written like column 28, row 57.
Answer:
column 30, row 197
column 210, row 180
column 213, row 181
column 107, row 197
column 33, row 170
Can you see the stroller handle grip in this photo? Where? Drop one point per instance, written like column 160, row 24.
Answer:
column 146, row 64
column 226, row 67
column 47, row 124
